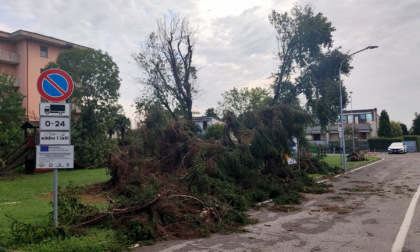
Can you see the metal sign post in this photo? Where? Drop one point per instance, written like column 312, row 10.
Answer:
column 55, row 150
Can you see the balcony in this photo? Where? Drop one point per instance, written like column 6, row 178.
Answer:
column 363, row 127
column 9, row 58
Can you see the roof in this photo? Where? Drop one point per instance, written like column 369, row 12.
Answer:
column 359, row 111
column 22, row 34
column 30, row 125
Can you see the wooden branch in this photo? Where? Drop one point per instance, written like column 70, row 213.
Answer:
column 186, row 196
column 99, row 217
column 136, row 208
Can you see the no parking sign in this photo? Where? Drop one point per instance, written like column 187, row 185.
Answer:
column 55, row 85
column 55, row 150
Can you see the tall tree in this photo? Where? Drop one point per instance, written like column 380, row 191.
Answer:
column 166, row 61
column 396, row 130
column 239, row 101
column 122, row 124
column 416, row 124
column 404, row 129
column 384, row 125
column 302, row 38
column 211, row 113
column 12, row 115
column 96, row 78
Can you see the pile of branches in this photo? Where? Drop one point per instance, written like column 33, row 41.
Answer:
column 353, row 157
column 184, row 187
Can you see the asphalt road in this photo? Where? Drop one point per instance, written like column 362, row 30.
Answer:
column 365, row 212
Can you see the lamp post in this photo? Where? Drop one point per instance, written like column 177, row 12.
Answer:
column 343, row 144
column 352, row 122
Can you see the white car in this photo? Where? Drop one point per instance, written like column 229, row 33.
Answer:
column 397, row 147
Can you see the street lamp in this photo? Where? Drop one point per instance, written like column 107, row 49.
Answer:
column 343, row 144
column 352, row 122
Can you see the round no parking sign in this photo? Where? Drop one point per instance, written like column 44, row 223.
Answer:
column 55, row 85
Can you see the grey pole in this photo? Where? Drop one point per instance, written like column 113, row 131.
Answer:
column 352, row 123
column 55, row 182
column 341, row 105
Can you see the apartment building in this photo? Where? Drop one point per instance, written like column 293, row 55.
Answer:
column 365, row 122
column 23, row 55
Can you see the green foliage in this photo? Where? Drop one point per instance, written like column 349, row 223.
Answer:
column 70, row 208
column 96, row 80
column 139, row 189
column 214, row 131
column 303, row 36
column 416, row 124
column 396, row 130
column 292, row 198
column 274, row 129
column 382, row 143
column 240, row 101
column 12, row 116
column 384, row 125
column 121, row 125
column 31, row 233
column 211, row 113
column 404, row 129
column 321, row 88
column 97, row 240
column 320, row 166
column 90, row 147
column 134, row 231
column 152, row 129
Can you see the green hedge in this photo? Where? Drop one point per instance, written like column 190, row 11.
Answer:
column 382, row 143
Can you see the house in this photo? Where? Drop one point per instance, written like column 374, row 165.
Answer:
column 204, row 121
column 365, row 122
column 23, row 55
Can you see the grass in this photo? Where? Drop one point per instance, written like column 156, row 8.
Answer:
column 335, row 160
column 23, row 197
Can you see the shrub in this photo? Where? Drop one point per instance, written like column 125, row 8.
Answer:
column 382, row 143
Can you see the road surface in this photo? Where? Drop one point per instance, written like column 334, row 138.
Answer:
column 372, row 208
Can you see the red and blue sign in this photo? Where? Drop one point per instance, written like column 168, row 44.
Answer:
column 55, row 85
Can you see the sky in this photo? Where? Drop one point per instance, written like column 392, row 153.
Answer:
column 237, row 45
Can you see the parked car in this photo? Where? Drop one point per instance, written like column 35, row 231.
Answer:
column 397, row 147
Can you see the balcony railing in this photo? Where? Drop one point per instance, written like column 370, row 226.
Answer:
column 335, row 128
column 9, row 57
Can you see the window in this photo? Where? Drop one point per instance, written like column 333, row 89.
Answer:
column 362, row 118
column 316, row 137
column 362, row 135
column 350, row 119
column 369, row 117
column 204, row 125
column 44, row 51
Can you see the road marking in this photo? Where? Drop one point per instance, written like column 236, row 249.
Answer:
column 365, row 166
column 351, row 171
column 400, row 239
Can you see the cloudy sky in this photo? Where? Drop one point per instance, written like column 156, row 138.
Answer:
column 237, row 43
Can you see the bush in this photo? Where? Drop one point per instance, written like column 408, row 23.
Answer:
column 214, row 131
column 382, row 143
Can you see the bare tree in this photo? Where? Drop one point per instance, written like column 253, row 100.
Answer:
column 166, row 63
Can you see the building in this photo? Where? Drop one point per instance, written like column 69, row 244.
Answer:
column 204, row 121
column 24, row 55
column 365, row 121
